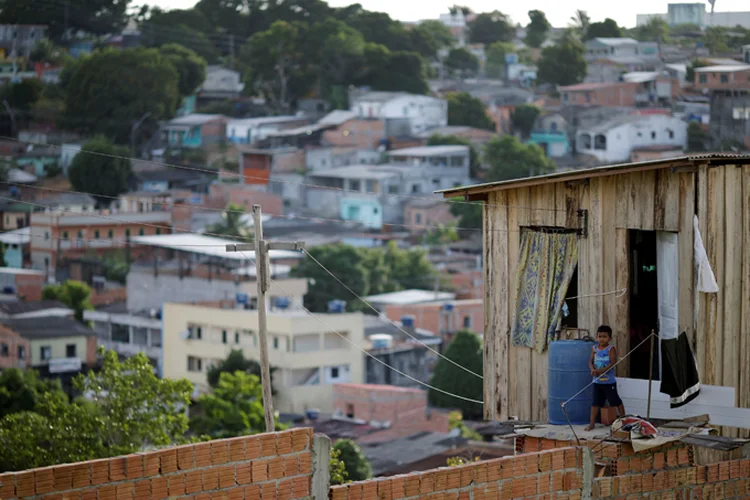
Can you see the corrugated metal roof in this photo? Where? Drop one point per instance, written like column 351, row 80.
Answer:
column 591, row 172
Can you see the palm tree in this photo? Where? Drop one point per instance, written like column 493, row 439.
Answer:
column 581, row 21
column 234, row 223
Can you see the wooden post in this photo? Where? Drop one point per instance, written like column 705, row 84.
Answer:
column 650, row 373
column 260, row 279
column 263, row 281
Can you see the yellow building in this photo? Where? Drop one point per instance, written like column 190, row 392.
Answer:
column 308, row 357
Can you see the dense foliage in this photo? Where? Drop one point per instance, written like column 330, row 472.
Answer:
column 465, row 350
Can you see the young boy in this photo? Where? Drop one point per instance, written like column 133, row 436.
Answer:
column 603, row 357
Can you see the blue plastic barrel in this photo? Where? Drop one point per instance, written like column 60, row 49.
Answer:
column 569, row 373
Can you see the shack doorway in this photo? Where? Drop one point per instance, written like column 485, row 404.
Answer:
column 644, row 302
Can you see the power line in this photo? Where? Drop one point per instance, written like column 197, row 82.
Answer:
column 388, row 319
column 333, row 330
column 302, row 184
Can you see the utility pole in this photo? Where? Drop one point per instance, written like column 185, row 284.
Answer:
column 263, row 280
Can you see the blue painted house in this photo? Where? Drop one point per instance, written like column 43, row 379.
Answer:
column 366, row 211
column 195, row 131
column 550, row 133
column 38, row 159
column 16, row 247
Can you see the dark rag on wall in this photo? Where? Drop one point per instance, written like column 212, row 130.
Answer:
column 679, row 375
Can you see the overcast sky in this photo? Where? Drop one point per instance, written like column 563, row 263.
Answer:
column 414, row 10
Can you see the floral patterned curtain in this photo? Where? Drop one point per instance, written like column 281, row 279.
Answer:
column 545, row 267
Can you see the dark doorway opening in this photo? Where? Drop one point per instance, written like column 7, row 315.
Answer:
column 644, row 303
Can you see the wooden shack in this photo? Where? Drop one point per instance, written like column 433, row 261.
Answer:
column 628, row 217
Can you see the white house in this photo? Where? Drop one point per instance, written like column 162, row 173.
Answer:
column 221, row 82
column 421, row 112
column 340, row 156
column 607, row 58
column 614, row 141
column 252, row 130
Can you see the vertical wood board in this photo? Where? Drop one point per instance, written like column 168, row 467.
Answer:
column 687, row 259
column 621, row 325
column 715, row 249
column 744, row 364
column 732, row 278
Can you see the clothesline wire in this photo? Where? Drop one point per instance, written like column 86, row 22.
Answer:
column 333, row 330
column 421, row 227
column 302, row 184
column 365, row 302
column 617, row 293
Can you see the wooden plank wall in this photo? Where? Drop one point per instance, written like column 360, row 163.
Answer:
column 653, row 200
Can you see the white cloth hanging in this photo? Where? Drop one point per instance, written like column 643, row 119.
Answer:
column 706, row 281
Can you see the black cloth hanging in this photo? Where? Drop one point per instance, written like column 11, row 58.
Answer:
column 679, row 375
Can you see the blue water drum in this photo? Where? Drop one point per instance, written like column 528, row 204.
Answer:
column 569, row 373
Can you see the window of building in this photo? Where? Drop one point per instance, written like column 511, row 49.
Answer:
column 702, row 78
column 223, row 336
column 393, row 189
column 467, row 321
column 79, row 235
column 653, row 135
column 70, row 351
column 375, row 210
column 110, row 234
column 45, row 352
column 158, row 230
column 418, row 218
column 121, row 333
column 354, row 185
column 724, row 78
column 416, row 188
column 140, row 232
column 670, row 133
column 349, row 410
column 194, row 364
column 4, row 350
column 21, row 352
column 65, row 235
column 46, row 235
column 600, row 142
column 335, row 372
column 236, row 337
column 276, row 342
column 96, row 234
column 585, row 141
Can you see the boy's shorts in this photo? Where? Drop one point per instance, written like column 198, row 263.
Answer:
column 604, row 393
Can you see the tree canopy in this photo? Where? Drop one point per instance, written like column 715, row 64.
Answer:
column 537, row 29
column 495, row 55
column 563, row 63
column 461, row 63
column 234, row 223
column 356, row 466
column 603, row 29
column 469, row 213
column 109, row 90
column 23, row 390
column 101, row 168
column 365, row 270
column 235, row 362
column 74, row 294
column 463, row 109
column 465, row 350
column 190, row 67
column 112, row 419
column 491, row 27
column 509, row 158
column 523, row 118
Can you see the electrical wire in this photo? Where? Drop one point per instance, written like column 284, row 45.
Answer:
column 333, row 330
column 385, row 317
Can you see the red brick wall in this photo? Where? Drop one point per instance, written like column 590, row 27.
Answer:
column 13, row 341
column 267, row 466
column 721, row 480
column 356, row 133
column 428, row 216
column 29, row 287
column 272, row 204
column 532, row 476
column 428, row 316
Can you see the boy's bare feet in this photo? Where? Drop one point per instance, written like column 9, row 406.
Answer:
column 589, row 428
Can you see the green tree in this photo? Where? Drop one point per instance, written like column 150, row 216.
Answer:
column 441, row 235
column 465, row 350
column 96, row 17
column 463, row 109
column 101, row 168
column 345, row 262
column 356, row 466
column 113, row 420
column 24, row 94
column 698, row 138
column 438, row 32
column 563, row 63
column 190, row 67
column 74, row 294
column 656, row 30
column 469, row 213
column 234, row 223
column 695, row 63
column 461, row 63
column 189, row 28
column 234, row 408
column 453, row 140
column 523, row 119
column 509, row 158
column 394, row 71
column 336, row 468
column 236, row 362
column 495, row 54
column 108, row 91
column 45, row 51
column 716, row 39
column 537, row 29
column 408, row 268
column 491, row 27
column 22, row 390
column 604, row 29
column 581, row 22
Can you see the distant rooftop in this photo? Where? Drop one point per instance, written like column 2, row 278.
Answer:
column 193, row 120
column 266, row 120
column 21, row 272
column 14, row 308
column 724, row 68
column 616, row 41
column 368, row 172
column 429, row 151
column 337, row 117
column 407, row 297
column 207, row 245
column 580, row 87
column 379, row 96
column 48, row 327
column 641, row 76
column 55, row 199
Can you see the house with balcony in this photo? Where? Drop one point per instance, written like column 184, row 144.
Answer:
column 614, row 141
column 420, row 113
column 253, row 130
column 309, row 358
column 195, row 131
column 432, row 167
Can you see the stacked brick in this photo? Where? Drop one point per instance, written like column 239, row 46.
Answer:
column 725, row 480
column 264, row 466
column 556, row 474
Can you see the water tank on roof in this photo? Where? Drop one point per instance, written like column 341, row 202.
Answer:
column 312, row 414
column 448, row 307
column 381, row 341
column 407, row 321
column 336, row 306
column 281, row 303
